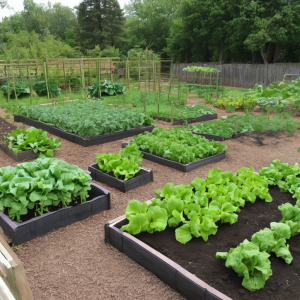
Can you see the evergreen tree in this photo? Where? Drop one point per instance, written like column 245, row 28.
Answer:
column 101, row 22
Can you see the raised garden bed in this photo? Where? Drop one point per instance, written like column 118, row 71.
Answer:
column 93, row 140
column 98, row 200
column 193, row 270
column 179, row 166
column 24, row 155
column 142, row 177
column 188, row 120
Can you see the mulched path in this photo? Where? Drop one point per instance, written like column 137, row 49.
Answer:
column 198, row 257
column 74, row 263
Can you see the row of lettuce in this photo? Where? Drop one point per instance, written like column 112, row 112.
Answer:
column 196, row 209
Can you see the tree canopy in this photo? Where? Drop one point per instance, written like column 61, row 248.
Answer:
column 263, row 31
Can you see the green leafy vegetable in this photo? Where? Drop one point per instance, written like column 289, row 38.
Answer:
column 177, row 145
column 41, row 184
column 249, row 262
column 200, row 69
column 124, row 165
column 194, row 209
column 274, row 240
column 40, row 88
column 32, row 139
column 86, row 118
column 22, row 89
column 107, row 88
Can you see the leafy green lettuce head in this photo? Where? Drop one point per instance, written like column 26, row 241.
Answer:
column 249, row 262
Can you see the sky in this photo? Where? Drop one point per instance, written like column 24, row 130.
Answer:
column 17, row 5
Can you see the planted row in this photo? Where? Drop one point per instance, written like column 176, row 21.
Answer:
column 196, row 208
column 251, row 259
column 86, row 118
column 246, row 123
column 177, row 145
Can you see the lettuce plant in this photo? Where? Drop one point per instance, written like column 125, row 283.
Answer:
column 274, row 240
column 249, row 262
column 177, row 144
column 124, row 165
column 195, row 209
column 32, row 139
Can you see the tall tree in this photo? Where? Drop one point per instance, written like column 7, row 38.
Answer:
column 273, row 25
column 101, row 22
column 148, row 22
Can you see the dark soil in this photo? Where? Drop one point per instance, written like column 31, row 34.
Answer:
column 198, row 257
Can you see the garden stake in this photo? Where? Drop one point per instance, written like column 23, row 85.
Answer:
column 139, row 73
column 111, row 74
column 154, row 87
column 100, row 95
column 128, row 77
column 19, row 66
column 235, row 128
column 64, row 70
column 217, row 85
column 45, row 72
column 8, row 92
column 29, row 78
column 145, row 81
column 12, row 71
column 47, row 78
column 158, row 92
column 69, row 85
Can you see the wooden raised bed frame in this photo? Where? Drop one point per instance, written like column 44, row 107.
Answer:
column 93, row 140
column 142, row 177
column 180, row 166
column 164, row 268
column 40, row 225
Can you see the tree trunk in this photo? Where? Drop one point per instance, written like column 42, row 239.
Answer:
column 264, row 56
column 277, row 53
column 206, row 53
column 253, row 57
column 222, row 51
column 268, row 54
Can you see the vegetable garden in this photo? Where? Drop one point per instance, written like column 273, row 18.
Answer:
column 219, row 199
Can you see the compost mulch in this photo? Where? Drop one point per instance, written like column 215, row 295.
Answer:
column 74, row 263
column 198, row 257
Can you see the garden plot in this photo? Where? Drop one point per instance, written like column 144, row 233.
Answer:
column 46, row 194
column 86, row 122
column 237, row 125
column 121, row 171
column 26, row 144
column 177, row 148
column 163, row 254
column 90, row 267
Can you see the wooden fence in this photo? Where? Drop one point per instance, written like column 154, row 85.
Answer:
column 243, row 75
